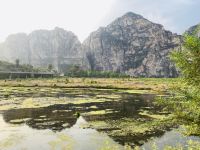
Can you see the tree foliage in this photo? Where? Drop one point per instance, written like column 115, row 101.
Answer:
column 50, row 67
column 76, row 71
column 184, row 100
column 188, row 60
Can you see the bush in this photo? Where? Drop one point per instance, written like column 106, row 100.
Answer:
column 77, row 71
column 185, row 104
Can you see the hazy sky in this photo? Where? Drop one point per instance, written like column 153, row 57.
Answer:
column 85, row 16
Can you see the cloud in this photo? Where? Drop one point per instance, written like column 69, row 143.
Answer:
column 185, row 2
column 174, row 15
column 84, row 16
column 79, row 16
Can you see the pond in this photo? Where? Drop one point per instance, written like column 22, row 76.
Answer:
column 79, row 119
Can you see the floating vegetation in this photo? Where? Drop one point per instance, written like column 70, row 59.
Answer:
column 125, row 112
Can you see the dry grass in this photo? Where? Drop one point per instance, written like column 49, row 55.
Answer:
column 159, row 84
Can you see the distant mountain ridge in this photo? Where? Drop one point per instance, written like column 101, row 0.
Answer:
column 131, row 44
column 41, row 48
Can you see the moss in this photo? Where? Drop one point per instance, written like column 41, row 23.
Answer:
column 99, row 124
column 18, row 121
column 137, row 91
column 135, row 130
column 192, row 129
column 28, row 103
column 99, row 112
column 78, row 91
column 37, row 102
column 154, row 116
column 93, row 107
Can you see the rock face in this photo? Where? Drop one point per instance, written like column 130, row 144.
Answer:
column 43, row 47
column 195, row 30
column 57, row 47
column 15, row 47
column 133, row 45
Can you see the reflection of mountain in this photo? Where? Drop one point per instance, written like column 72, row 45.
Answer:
column 42, row 118
column 58, row 117
column 129, row 106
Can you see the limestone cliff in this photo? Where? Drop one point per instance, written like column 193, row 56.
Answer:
column 57, row 47
column 42, row 47
column 15, row 47
column 133, row 45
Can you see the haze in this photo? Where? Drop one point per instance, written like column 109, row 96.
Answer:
column 84, row 16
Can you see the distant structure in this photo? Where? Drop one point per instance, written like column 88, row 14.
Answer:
column 67, row 62
column 12, row 74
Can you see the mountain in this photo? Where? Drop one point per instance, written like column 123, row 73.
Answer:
column 194, row 30
column 53, row 47
column 43, row 47
column 133, row 45
column 15, row 47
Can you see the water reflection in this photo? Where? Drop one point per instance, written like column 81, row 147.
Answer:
column 18, row 137
column 58, row 117
column 42, row 118
column 60, row 127
column 172, row 138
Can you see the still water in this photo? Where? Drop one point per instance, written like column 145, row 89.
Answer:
column 64, row 126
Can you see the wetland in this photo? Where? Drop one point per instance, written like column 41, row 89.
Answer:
column 75, row 113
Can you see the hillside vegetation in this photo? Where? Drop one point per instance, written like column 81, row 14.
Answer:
column 6, row 66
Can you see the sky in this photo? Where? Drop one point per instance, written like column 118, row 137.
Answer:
column 85, row 16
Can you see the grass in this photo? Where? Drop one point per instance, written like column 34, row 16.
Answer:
column 155, row 84
column 24, row 92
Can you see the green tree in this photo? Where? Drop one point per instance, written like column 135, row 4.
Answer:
column 188, row 60
column 185, row 98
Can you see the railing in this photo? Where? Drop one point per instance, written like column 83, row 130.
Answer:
column 37, row 73
column 15, row 74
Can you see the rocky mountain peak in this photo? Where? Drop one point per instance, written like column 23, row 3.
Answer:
column 130, row 44
column 134, row 45
column 132, row 15
column 131, row 18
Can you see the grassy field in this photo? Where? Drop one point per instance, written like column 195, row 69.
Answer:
column 14, row 90
column 154, row 84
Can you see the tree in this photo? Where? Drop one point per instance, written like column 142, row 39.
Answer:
column 188, row 60
column 50, row 67
column 186, row 102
